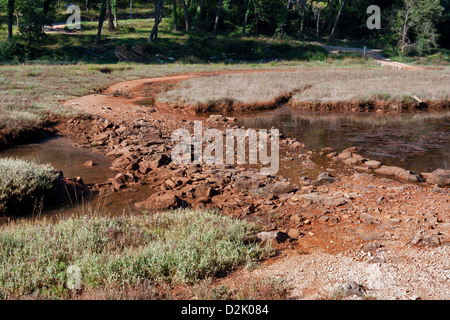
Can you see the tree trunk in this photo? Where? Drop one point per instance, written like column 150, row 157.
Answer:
column 216, row 23
column 247, row 13
column 330, row 4
column 87, row 5
column 10, row 18
column 175, row 14
column 159, row 10
column 110, row 16
column 283, row 21
column 198, row 13
column 101, row 19
column 337, row 19
column 405, row 33
column 256, row 19
column 47, row 6
column 318, row 23
column 186, row 16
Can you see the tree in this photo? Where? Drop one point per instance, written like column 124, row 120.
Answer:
column 337, row 18
column 413, row 25
column 109, row 11
column 216, row 22
column 186, row 15
column 159, row 10
column 34, row 16
column 317, row 7
column 10, row 13
column 247, row 13
column 283, row 21
column 101, row 19
column 175, row 15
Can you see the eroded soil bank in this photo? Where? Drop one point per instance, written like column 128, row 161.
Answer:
column 332, row 216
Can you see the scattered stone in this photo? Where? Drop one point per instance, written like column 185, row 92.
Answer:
column 380, row 200
column 273, row 189
column 322, row 199
column 89, row 163
column 371, row 246
column 308, row 164
column 401, row 173
column 440, row 177
column 272, row 235
column 422, row 239
column 294, row 233
column 324, row 177
column 352, row 288
column 367, row 218
column 373, row 164
column 216, row 118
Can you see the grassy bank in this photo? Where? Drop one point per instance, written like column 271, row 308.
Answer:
column 314, row 85
column 160, row 251
column 31, row 95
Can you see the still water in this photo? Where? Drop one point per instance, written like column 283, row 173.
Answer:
column 416, row 141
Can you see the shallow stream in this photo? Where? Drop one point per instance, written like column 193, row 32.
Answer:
column 415, row 141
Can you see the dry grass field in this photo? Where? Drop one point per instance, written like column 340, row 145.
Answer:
column 315, row 85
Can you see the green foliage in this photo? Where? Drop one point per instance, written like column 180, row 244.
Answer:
column 174, row 247
column 413, row 26
column 9, row 49
column 32, row 20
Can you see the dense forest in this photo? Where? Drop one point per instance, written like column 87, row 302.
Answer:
column 407, row 26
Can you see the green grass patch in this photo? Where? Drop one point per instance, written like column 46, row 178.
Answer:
column 179, row 247
column 434, row 57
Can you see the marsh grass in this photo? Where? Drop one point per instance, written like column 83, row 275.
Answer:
column 30, row 95
column 316, row 85
column 179, row 247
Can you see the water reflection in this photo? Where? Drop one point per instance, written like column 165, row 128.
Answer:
column 63, row 155
column 417, row 141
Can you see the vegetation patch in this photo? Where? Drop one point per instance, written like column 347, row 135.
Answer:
column 23, row 182
column 180, row 247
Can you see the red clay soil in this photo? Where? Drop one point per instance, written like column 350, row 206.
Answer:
column 357, row 221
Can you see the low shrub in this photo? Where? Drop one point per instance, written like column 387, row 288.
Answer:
column 23, row 181
column 179, row 247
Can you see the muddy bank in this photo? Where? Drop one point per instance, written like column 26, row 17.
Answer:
column 377, row 106
column 9, row 138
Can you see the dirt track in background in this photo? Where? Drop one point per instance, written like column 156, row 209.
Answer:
column 376, row 55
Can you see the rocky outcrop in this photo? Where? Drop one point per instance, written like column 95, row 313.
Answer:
column 400, row 173
column 440, row 177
